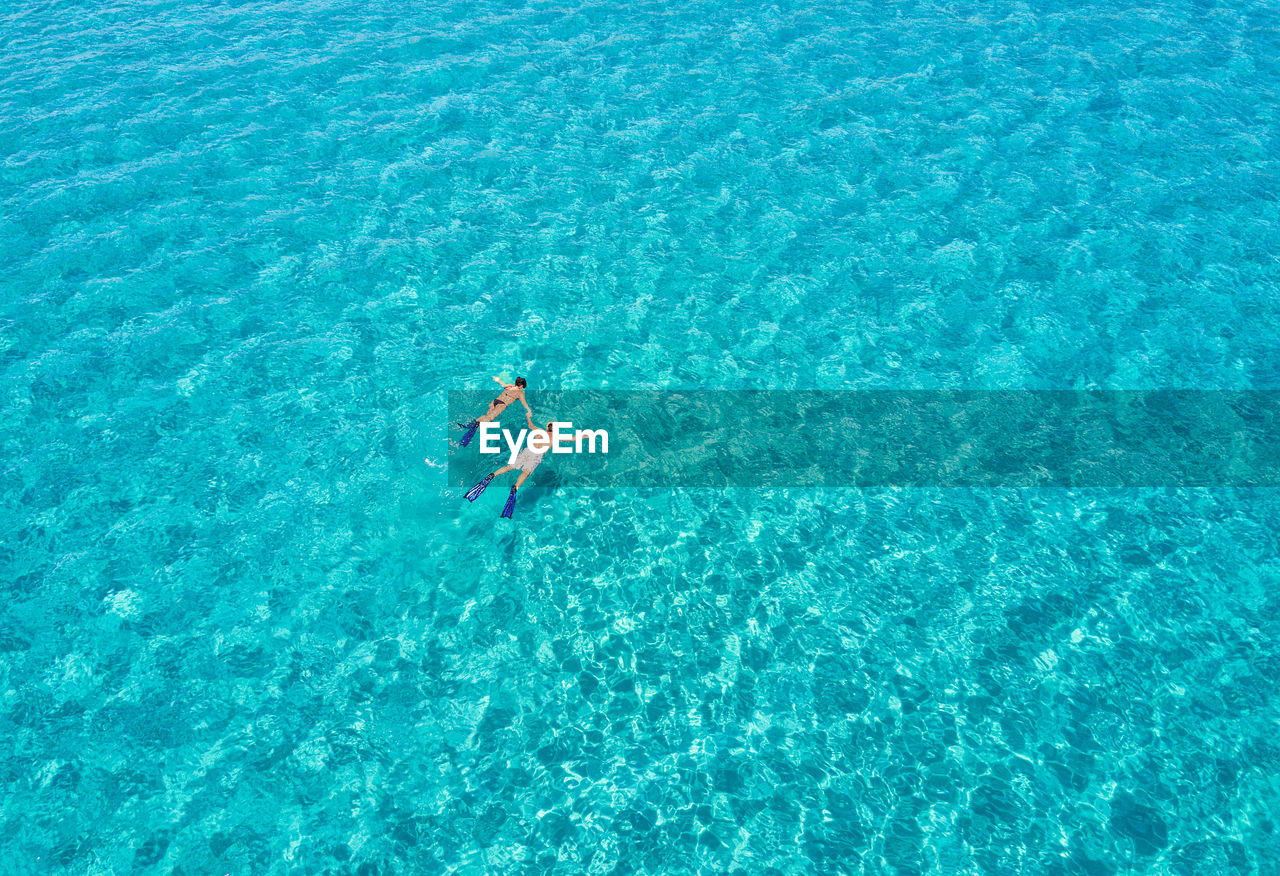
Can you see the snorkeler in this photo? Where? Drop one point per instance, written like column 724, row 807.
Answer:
column 527, row 461
column 510, row 392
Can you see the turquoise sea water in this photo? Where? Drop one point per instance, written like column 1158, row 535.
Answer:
column 247, row 248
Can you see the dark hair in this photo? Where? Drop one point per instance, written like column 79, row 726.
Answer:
column 520, row 382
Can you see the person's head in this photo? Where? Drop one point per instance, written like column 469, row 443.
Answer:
column 520, row 382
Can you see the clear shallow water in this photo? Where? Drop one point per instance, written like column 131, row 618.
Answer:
column 246, row 248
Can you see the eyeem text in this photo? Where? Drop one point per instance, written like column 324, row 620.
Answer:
column 563, row 439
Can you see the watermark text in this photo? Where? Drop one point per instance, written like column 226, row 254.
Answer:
column 563, row 438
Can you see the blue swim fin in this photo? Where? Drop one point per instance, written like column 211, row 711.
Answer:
column 474, row 492
column 471, row 432
column 511, row 503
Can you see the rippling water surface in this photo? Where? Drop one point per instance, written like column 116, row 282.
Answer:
column 245, row 250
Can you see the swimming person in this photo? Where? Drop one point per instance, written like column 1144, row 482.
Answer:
column 510, row 392
column 527, row 461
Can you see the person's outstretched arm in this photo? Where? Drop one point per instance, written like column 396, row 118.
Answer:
column 498, row 380
column 528, row 411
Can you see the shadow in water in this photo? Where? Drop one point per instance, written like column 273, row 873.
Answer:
column 541, row 485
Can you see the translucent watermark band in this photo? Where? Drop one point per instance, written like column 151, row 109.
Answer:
column 922, row 438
